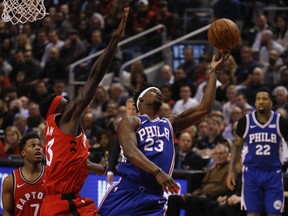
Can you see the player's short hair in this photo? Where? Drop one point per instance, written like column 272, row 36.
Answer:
column 25, row 138
column 264, row 89
column 45, row 105
column 137, row 93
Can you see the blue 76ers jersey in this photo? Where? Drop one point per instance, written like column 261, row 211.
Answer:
column 155, row 141
column 262, row 147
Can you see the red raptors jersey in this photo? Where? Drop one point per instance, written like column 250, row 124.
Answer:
column 66, row 158
column 28, row 195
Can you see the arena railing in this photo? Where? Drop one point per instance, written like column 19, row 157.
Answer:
column 72, row 82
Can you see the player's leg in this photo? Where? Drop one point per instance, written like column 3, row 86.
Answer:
column 274, row 196
column 252, row 194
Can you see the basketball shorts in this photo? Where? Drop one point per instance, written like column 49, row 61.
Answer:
column 124, row 198
column 262, row 189
column 67, row 204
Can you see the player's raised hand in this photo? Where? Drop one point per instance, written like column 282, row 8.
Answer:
column 216, row 64
column 167, row 182
column 121, row 28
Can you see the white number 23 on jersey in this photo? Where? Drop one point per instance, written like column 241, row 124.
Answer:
column 156, row 145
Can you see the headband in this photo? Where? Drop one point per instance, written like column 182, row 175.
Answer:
column 55, row 103
column 142, row 94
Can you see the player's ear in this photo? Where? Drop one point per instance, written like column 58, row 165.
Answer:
column 22, row 153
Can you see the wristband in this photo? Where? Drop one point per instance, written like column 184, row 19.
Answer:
column 157, row 172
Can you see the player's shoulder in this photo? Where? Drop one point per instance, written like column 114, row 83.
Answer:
column 8, row 181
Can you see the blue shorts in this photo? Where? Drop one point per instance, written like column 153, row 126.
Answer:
column 128, row 199
column 262, row 190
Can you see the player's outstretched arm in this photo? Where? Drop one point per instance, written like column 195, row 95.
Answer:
column 128, row 141
column 99, row 68
column 195, row 114
column 7, row 196
column 235, row 158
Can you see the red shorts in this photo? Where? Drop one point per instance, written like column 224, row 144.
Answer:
column 67, row 204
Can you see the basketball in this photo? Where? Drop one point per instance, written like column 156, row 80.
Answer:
column 223, row 34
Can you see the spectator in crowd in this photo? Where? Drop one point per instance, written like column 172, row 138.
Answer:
column 20, row 122
column 167, row 75
column 62, row 24
column 9, row 148
column 256, row 81
column 201, row 87
column 4, row 83
column 185, row 158
column 281, row 98
column 141, row 17
column 228, row 130
column 103, row 145
column 55, row 42
column 137, row 80
column 165, row 17
column 260, row 26
column 73, row 48
column 204, row 147
column 99, row 100
column 284, row 76
column 40, row 92
column 268, row 43
column 59, row 88
column 245, row 67
column 180, row 80
column 17, row 63
column 231, row 93
column 34, row 119
column 241, row 102
column 31, row 67
column 185, row 102
column 97, row 44
column 6, row 115
column 5, row 66
column 165, row 110
column 189, row 65
column 90, row 127
column 118, row 94
column 201, row 130
column 272, row 73
column 21, row 83
column 167, row 95
column 39, row 44
column 226, row 80
column 202, row 66
column 54, row 67
column 281, row 31
column 212, row 186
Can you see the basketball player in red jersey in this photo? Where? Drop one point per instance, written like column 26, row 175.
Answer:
column 23, row 190
column 66, row 145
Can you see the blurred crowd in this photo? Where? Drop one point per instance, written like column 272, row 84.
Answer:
column 34, row 60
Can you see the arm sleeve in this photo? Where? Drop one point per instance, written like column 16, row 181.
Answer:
column 283, row 123
column 113, row 157
column 241, row 126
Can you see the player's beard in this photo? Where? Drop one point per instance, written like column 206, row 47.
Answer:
column 157, row 105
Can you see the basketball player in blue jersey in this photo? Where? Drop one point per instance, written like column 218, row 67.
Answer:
column 259, row 136
column 147, row 151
